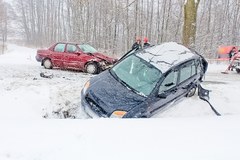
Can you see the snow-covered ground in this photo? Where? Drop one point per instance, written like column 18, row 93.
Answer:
column 37, row 119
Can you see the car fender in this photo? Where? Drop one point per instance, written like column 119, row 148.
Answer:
column 92, row 61
column 139, row 111
column 43, row 54
column 45, row 59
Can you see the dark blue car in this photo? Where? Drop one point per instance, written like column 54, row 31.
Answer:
column 144, row 81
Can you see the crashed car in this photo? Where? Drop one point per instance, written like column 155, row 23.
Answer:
column 143, row 82
column 74, row 56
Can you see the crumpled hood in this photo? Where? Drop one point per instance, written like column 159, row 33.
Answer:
column 111, row 95
column 104, row 57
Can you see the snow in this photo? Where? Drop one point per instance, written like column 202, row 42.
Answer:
column 170, row 54
column 188, row 130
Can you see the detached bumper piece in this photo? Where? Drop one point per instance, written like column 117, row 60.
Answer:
column 204, row 95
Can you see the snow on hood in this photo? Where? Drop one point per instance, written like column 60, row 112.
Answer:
column 166, row 55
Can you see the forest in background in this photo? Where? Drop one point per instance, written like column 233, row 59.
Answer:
column 112, row 25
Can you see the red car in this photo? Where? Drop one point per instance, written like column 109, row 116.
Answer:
column 81, row 57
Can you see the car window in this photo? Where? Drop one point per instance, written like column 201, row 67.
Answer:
column 71, row 48
column 198, row 65
column 87, row 48
column 138, row 74
column 169, row 82
column 59, row 47
column 187, row 71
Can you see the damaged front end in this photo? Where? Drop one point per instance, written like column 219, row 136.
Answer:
column 203, row 93
column 104, row 65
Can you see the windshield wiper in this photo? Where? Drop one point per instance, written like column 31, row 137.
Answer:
column 117, row 78
column 113, row 74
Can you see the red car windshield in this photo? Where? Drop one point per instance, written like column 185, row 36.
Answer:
column 87, row 48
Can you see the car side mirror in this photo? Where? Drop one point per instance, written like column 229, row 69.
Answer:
column 162, row 95
column 78, row 53
column 88, row 53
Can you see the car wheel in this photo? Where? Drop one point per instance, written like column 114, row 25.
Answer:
column 92, row 68
column 47, row 64
column 192, row 92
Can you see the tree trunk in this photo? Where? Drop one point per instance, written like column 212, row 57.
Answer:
column 189, row 26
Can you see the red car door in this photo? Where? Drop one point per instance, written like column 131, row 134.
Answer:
column 57, row 55
column 72, row 58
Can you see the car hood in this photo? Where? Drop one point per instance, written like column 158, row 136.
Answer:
column 111, row 95
column 104, row 57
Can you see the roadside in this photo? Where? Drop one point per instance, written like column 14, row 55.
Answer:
column 59, row 97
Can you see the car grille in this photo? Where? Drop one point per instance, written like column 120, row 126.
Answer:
column 95, row 107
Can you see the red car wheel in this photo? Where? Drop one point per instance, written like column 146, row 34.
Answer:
column 92, row 68
column 47, row 64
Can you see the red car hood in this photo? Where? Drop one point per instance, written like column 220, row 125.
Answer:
column 106, row 58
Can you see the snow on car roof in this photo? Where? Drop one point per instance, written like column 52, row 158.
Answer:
column 166, row 55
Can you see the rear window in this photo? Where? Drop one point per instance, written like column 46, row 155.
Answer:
column 187, row 71
column 59, row 47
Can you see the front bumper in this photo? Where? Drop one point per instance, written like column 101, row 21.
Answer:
column 87, row 108
column 38, row 58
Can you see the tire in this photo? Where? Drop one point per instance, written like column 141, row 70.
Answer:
column 47, row 63
column 191, row 92
column 91, row 68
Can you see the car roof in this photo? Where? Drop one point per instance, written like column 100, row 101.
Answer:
column 166, row 55
column 75, row 43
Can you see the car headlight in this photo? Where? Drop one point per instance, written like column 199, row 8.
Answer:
column 118, row 114
column 86, row 86
column 114, row 61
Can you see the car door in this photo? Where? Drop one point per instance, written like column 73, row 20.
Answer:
column 72, row 58
column 175, row 85
column 167, row 91
column 57, row 55
column 187, row 77
column 75, row 58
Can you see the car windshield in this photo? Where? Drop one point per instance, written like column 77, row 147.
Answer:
column 87, row 48
column 137, row 74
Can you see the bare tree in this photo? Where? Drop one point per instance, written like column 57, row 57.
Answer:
column 190, row 20
column 112, row 25
column 3, row 25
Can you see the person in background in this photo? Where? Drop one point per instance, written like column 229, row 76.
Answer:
column 137, row 44
column 235, row 56
column 146, row 43
column 232, row 52
column 232, row 60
